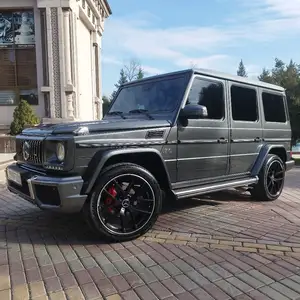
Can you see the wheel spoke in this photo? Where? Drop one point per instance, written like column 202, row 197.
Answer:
column 141, row 210
column 119, row 188
column 278, row 179
column 108, row 193
column 129, row 187
column 122, row 223
column 145, row 200
column 134, row 225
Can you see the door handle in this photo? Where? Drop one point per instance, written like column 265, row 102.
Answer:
column 257, row 139
column 222, row 140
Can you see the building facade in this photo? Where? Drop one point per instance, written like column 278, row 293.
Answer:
column 50, row 56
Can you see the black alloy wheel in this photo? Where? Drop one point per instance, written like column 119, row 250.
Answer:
column 125, row 202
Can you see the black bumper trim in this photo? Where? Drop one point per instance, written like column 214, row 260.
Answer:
column 69, row 189
column 289, row 165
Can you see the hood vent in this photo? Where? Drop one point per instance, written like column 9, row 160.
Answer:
column 155, row 134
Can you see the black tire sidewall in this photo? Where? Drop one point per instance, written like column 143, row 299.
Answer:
column 270, row 160
column 105, row 177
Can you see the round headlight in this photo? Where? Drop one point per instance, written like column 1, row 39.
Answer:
column 60, row 151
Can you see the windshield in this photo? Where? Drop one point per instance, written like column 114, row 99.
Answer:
column 161, row 95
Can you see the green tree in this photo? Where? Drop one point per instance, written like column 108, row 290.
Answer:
column 241, row 70
column 23, row 116
column 105, row 104
column 122, row 80
column 133, row 70
column 287, row 76
column 140, row 74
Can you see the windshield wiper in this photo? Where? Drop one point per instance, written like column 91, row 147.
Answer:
column 118, row 113
column 141, row 111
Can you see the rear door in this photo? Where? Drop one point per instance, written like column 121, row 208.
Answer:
column 246, row 127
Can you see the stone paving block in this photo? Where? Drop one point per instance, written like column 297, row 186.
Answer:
column 273, row 294
column 90, row 291
column 228, row 288
column 5, row 295
column 159, row 290
column 74, row 294
column 122, row 266
column 284, row 290
column 130, row 295
column 172, row 286
column 20, row 292
column 37, row 289
column 159, row 272
column 52, row 284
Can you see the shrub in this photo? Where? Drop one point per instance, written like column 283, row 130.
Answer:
column 23, row 116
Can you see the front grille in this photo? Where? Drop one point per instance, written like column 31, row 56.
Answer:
column 35, row 151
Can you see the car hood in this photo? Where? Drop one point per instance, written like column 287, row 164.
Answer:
column 94, row 126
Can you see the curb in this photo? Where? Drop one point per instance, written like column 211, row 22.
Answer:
column 226, row 243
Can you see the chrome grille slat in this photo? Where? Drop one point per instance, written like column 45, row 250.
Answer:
column 36, row 153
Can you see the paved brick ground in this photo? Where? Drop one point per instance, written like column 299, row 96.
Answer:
column 223, row 246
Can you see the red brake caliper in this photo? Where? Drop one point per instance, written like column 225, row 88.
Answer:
column 109, row 200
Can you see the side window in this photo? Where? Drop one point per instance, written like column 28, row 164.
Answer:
column 210, row 94
column 274, row 109
column 244, row 104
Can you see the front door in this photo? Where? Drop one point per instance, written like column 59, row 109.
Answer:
column 203, row 143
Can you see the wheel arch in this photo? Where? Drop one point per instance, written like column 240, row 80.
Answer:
column 278, row 150
column 148, row 158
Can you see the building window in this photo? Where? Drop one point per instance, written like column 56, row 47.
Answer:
column 244, row 104
column 274, row 109
column 210, row 94
column 18, row 78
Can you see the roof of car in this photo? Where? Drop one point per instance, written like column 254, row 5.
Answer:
column 237, row 78
column 217, row 74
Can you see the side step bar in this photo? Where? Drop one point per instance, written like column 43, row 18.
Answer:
column 191, row 192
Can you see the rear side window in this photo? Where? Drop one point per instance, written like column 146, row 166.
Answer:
column 244, row 104
column 274, row 109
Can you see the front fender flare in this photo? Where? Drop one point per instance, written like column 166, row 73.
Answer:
column 110, row 153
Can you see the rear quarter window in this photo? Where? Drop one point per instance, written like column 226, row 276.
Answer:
column 274, row 109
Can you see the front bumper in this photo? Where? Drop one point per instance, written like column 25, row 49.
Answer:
column 49, row 193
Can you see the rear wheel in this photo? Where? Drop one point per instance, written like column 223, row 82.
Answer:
column 271, row 180
column 125, row 202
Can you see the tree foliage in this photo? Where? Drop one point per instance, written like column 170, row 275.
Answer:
column 105, row 104
column 241, row 71
column 131, row 71
column 287, row 76
column 23, row 116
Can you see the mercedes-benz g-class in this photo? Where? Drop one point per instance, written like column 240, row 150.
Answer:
column 175, row 135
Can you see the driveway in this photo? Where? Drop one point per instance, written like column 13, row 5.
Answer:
column 220, row 246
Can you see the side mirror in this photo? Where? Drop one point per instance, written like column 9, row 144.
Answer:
column 194, row 111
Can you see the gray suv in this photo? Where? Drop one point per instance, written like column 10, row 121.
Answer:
column 171, row 136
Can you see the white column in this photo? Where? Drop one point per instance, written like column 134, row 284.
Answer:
column 67, row 57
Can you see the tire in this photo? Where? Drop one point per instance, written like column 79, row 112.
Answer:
column 271, row 180
column 123, row 207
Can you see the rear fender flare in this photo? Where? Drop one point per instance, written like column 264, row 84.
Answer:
column 262, row 156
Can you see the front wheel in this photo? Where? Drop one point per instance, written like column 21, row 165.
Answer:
column 271, row 180
column 125, row 202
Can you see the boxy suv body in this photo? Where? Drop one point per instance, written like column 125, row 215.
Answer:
column 175, row 135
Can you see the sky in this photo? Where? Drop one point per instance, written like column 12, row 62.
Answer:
column 171, row 35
